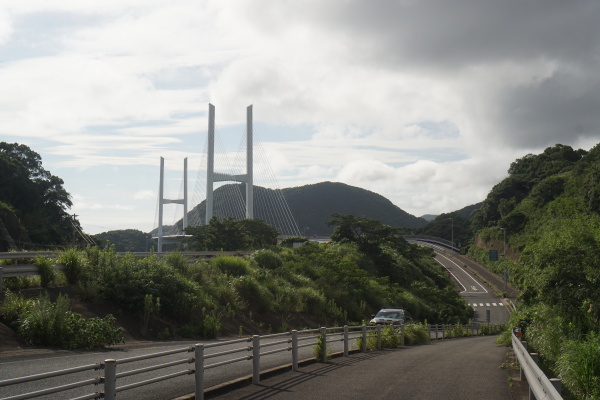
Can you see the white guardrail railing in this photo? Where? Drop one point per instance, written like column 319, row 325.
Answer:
column 198, row 358
column 539, row 385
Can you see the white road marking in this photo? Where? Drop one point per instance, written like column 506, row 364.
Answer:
column 464, row 288
column 487, row 304
column 469, row 275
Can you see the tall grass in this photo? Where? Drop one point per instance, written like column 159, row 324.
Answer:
column 74, row 265
column 41, row 322
column 579, row 367
column 45, row 270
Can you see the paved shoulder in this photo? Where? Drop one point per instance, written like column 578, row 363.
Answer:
column 467, row 368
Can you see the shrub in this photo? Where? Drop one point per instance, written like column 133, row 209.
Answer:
column 45, row 270
column 211, row 326
column 416, row 334
column 42, row 322
column 268, row 259
column 579, row 367
column 253, row 293
column 73, row 265
column 231, row 265
column 391, row 337
column 178, row 263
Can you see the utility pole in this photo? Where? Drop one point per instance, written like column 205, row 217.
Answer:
column 504, row 259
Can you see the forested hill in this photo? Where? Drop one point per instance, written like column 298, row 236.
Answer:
column 313, row 205
column 548, row 209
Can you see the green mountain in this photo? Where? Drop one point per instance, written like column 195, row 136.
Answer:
column 548, row 210
column 310, row 206
column 125, row 240
column 454, row 225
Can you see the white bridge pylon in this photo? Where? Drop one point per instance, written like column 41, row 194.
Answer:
column 212, row 176
column 162, row 201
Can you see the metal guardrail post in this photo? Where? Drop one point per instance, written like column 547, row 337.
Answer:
column 402, row 337
column 539, row 385
column 323, row 339
column 556, row 382
column 199, row 371
column 436, row 331
column 364, row 339
column 110, row 379
column 255, row 359
column 443, row 331
column 378, row 337
column 345, row 340
column 294, row 350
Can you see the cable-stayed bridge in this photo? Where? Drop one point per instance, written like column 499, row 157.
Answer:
column 226, row 187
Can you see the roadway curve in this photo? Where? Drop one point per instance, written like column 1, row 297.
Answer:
column 472, row 288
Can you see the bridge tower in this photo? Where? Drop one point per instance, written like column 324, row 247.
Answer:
column 162, row 201
column 212, row 176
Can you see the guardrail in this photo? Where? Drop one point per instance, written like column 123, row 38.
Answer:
column 539, row 385
column 202, row 355
column 15, row 255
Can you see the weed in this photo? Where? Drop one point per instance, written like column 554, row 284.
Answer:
column 45, row 270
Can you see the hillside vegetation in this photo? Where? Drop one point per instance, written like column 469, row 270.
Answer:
column 276, row 288
column 549, row 206
column 33, row 202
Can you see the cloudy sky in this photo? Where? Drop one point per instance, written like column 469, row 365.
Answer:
column 425, row 102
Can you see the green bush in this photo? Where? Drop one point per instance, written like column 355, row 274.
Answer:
column 45, row 270
column 41, row 322
column 73, row 265
column 391, row 337
column 231, row 265
column 579, row 367
column 253, row 294
column 268, row 259
column 416, row 334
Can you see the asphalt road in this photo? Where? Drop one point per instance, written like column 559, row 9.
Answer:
column 478, row 295
column 461, row 369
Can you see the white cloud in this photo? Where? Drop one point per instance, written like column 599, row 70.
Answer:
column 409, row 99
column 145, row 194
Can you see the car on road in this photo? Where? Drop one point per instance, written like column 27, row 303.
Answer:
column 393, row 316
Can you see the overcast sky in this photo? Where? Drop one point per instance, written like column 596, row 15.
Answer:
column 424, row 102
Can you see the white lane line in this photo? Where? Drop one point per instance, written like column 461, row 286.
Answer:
column 500, row 304
column 480, row 304
column 464, row 288
column 469, row 275
column 494, row 304
column 487, row 304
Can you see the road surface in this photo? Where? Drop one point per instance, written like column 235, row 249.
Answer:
column 454, row 369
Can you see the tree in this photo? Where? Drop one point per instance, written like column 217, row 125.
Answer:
column 38, row 197
column 231, row 235
column 369, row 234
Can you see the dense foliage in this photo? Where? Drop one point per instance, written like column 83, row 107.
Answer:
column 231, row 235
column 41, row 322
column 38, row 198
column 451, row 226
column 328, row 284
column 549, row 207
